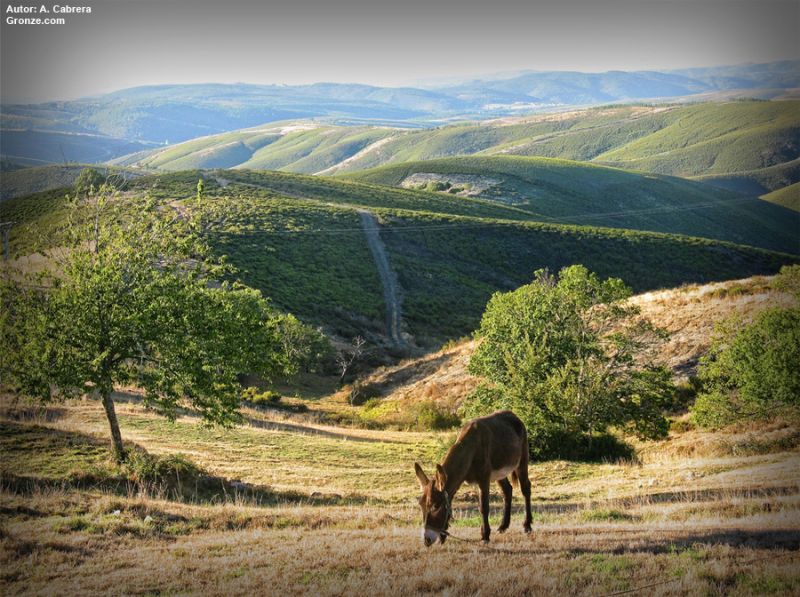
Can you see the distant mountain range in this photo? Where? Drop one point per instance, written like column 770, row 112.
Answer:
column 99, row 128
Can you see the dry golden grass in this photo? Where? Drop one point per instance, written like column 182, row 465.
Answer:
column 714, row 520
column 690, row 313
column 714, row 513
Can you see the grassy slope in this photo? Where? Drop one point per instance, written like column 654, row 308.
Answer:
column 26, row 181
column 298, row 239
column 704, row 139
column 689, row 314
column 578, row 193
column 304, row 148
column 33, row 147
column 757, row 182
column 788, row 197
column 733, row 137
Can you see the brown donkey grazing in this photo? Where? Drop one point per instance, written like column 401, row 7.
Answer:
column 487, row 449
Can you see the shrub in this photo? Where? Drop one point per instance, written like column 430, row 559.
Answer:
column 172, row 474
column 88, row 179
column 268, row 398
column 437, row 186
column 362, row 393
column 431, row 417
column 560, row 353
column 750, row 370
column 256, row 398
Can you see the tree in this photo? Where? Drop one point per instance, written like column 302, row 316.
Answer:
column 88, row 179
column 570, row 357
column 133, row 297
column 348, row 356
column 201, row 190
column 751, row 371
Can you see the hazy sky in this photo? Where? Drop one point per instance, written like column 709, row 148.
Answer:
column 125, row 43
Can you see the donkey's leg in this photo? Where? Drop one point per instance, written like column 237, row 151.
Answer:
column 485, row 530
column 505, row 485
column 525, row 487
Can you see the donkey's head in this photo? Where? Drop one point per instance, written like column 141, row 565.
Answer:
column 435, row 505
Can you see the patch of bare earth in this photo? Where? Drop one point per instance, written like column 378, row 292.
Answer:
column 467, row 185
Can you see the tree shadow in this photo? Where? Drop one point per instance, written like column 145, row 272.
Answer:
column 645, row 541
column 133, row 398
column 32, row 413
column 88, row 464
column 772, row 539
column 410, row 371
column 297, row 428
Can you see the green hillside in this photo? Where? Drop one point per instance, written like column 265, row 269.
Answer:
column 578, row 193
column 731, row 137
column 24, row 181
column 299, row 239
column 757, row 182
column 294, row 147
column 788, row 197
column 744, row 138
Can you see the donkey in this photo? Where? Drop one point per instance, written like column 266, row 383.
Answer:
column 487, row 449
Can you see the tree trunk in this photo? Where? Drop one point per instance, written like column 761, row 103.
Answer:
column 116, row 436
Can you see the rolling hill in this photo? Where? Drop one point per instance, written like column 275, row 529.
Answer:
column 787, row 197
column 748, row 146
column 563, row 191
column 99, row 128
column 301, row 240
column 25, row 181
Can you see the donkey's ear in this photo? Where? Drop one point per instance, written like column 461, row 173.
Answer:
column 421, row 476
column 441, row 477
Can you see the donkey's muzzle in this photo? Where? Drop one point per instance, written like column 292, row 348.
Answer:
column 429, row 536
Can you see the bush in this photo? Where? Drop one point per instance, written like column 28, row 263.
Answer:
column 437, row 186
column 432, row 417
column 560, row 352
column 363, row 393
column 173, row 475
column 256, row 398
column 88, row 179
column 750, row 370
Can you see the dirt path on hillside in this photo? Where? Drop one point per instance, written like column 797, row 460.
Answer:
column 388, row 277
column 391, row 296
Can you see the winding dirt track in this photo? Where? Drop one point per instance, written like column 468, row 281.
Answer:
column 387, row 276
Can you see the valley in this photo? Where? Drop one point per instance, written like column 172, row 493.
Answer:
column 300, row 240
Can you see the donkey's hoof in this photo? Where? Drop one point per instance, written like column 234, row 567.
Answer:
column 484, row 541
column 527, row 529
column 502, row 529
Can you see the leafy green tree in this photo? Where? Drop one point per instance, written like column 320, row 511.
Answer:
column 570, row 357
column 751, row 371
column 132, row 297
column 88, row 179
column 201, row 189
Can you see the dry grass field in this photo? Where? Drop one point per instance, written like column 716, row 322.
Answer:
column 285, row 504
column 320, row 510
